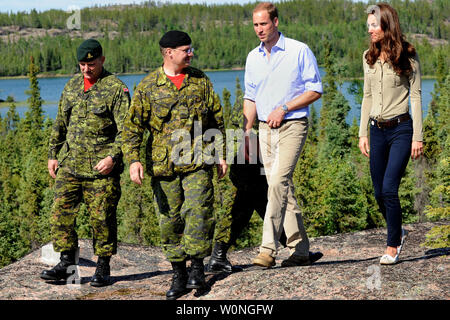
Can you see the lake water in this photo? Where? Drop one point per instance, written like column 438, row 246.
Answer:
column 51, row 89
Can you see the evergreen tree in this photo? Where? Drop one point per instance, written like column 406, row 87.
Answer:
column 34, row 118
column 329, row 87
column 33, row 169
column 236, row 117
column 226, row 107
column 334, row 130
column 11, row 244
column 439, row 207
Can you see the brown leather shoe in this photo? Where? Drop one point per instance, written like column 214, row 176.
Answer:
column 264, row 260
column 297, row 261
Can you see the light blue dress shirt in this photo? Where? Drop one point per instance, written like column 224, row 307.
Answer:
column 291, row 70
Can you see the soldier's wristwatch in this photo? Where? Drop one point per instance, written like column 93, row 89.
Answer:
column 285, row 108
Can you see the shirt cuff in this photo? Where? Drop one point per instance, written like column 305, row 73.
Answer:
column 317, row 87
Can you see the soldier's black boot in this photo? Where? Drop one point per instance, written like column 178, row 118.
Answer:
column 102, row 273
column 59, row 272
column 179, row 281
column 196, row 278
column 218, row 261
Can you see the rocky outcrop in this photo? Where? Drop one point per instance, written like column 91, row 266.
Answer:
column 14, row 33
column 349, row 269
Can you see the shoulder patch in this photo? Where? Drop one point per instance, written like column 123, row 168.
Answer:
column 126, row 90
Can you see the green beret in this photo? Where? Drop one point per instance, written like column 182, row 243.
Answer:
column 89, row 50
column 174, row 38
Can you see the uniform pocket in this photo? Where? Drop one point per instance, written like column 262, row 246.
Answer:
column 159, row 153
column 101, row 151
column 100, row 110
column 160, row 111
column 102, row 122
column 158, row 160
column 200, row 108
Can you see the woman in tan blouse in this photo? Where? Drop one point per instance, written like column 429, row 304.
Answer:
column 391, row 76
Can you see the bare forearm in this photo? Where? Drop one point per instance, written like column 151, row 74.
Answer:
column 249, row 114
column 303, row 100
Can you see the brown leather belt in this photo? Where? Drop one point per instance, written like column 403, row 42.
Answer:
column 382, row 124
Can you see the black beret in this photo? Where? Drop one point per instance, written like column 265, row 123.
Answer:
column 89, row 50
column 174, row 38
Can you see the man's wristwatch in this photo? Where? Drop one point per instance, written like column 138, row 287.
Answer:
column 285, row 108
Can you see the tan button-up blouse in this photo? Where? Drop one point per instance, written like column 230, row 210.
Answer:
column 386, row 95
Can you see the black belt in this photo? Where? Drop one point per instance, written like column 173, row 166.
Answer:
column 287, row 120
column 382, row 124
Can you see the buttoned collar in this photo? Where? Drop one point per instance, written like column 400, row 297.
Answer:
column 280, row 45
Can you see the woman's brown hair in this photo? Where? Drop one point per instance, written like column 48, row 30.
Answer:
column 397, row 49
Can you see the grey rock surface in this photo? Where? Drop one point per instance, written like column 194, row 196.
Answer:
column 349, row 269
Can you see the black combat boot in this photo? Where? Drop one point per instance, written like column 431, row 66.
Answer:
column 179, row 281
column 218, row 261
column 101, row 276
column 196, row 278
column 59, row 272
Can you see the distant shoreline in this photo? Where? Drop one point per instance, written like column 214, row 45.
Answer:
column 69, row 75
column 48, row 75
column 19, row 104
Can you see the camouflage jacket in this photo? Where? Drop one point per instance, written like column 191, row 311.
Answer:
column 182, row 124
column 88, row 126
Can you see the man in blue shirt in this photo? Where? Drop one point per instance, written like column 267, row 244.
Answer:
column 281, row 80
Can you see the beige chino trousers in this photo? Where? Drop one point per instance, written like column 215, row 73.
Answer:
column 280, row 150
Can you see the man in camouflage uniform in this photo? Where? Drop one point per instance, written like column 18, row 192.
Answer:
column 177, row 105
column 85, row 159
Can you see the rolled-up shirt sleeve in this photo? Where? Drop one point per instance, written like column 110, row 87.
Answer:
column 249, row 85
column 310, row 71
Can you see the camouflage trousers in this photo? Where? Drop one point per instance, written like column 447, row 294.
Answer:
column 184, row 204
column 101, row 197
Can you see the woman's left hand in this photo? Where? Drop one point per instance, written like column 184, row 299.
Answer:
column 416, row 149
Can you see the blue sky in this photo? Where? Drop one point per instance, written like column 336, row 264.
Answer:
column 42, row 5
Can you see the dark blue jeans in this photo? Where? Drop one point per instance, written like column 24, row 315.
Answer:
column 390, row 150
